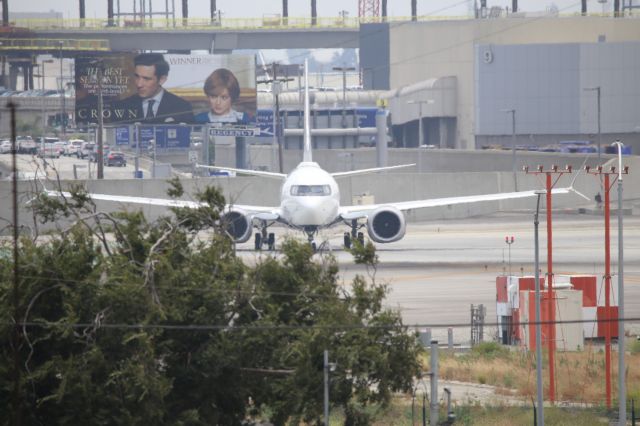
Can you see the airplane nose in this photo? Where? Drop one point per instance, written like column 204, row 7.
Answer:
column 316, row 211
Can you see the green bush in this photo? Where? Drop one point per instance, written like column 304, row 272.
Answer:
column 490, row 350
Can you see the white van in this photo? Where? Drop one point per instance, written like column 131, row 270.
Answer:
column 73, row 146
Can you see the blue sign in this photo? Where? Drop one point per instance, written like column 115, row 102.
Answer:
column 173, row 137
column 264, row 121
column 165, row 136
column 122, row 135
column 366, row 117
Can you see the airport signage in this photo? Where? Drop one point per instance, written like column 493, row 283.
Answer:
column 235, row 131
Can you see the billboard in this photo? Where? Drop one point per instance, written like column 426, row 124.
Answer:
column 155, row 88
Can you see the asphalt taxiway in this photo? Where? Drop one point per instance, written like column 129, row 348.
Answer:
column 441, row 268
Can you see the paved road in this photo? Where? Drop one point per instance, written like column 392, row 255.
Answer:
column 63, row 167
column 440, row 268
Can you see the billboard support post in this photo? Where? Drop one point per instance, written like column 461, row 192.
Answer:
column 155, row 148
column 100, row 159
column 136, row 126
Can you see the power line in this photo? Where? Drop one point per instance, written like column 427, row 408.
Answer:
column 284, row 327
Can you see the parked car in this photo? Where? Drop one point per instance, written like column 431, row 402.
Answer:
column 26, row 145
column 5, row 146
column 73, row 146
column 52, row 150
column 86, row 149
column 93, row 157
column 115, row 158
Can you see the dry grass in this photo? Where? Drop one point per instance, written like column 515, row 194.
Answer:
column 580, row 376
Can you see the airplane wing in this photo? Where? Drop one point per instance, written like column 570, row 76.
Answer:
column 269, row 213
column 359, row 211
column 260, row 173
column 373, row 170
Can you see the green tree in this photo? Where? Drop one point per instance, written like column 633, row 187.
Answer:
column 130, row 322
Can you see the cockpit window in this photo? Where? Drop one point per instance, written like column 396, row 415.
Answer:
column 310, row 190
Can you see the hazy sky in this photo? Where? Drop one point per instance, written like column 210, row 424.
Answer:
column 297, row 8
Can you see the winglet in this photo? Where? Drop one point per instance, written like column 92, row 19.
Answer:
column 306, row 156
column 571, row 188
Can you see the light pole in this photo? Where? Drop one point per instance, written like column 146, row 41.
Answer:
column 509, row 240
column 420, row 103
column 328, row 367
column 64, row 112
column 344, row 70
column 513, row 145
column 622, row 391
column 536, row 222
column 597, row 90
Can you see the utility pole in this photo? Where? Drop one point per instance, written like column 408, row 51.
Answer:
column 212, row 10
column 344, row 70
column 617, row 174
column 82, row 12
column 285, row 12
column 62, row 94
column 314, row 13
column 277, row 126
column 551, row 326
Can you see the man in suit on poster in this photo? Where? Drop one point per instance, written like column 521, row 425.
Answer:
column 152, row 104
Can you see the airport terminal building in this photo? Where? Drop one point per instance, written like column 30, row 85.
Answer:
column 523, row 79
column 470, row 80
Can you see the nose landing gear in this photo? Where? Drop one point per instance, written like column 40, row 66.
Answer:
column 311, row 232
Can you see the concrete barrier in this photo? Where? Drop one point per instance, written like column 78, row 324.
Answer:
column 385, row 187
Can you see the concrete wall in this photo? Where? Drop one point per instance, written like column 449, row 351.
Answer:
column 546, row 84
column 384, row 187
column 426, row 160
column 423, row 50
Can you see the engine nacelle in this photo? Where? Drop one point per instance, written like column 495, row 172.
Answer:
column 386, row 224
column 237, row 225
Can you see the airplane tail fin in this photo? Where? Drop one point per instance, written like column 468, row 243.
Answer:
column 306, row 156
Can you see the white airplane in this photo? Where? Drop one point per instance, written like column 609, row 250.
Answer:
column 310, row 201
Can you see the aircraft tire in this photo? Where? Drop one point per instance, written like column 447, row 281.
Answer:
column 258, row 241
column 361, row 238
column 347, row 240
column 271, row 241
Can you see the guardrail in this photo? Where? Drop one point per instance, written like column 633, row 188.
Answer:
column 53, row 44
column 188, row 24
column 269, row 22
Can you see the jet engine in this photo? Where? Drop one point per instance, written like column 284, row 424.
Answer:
column 386, row 224
column 237, row 225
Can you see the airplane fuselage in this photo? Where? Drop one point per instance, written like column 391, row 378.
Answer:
column 310, row 197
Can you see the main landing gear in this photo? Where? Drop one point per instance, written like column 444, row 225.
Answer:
column 354, row 234
column 263, row 238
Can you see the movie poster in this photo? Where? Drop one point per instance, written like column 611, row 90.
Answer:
column 155, row 88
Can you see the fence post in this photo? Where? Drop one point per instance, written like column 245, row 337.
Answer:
column 433, row 406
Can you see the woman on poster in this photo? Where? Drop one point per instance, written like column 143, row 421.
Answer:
column 222, row 90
